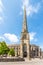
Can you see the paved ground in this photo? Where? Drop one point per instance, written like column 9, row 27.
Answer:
column 32, row 62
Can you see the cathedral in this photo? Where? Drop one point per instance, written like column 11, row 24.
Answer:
column 25, row 49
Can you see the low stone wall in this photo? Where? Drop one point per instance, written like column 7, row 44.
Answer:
column 11, row 59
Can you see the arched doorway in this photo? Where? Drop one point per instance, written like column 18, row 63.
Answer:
column 24, row 50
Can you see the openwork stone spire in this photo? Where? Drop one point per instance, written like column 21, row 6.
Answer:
column 24, row 29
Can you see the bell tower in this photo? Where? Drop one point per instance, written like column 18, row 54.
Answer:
column 25, row 39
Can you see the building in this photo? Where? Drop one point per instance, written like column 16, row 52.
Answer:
column 25, row 49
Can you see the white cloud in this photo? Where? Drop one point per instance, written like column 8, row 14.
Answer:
column 2, row 38
column 1, row 18
column 32, row 36
column 11, row 37
column 1, row 3
column 30, row 9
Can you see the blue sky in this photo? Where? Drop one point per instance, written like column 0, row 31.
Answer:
column 11, row 19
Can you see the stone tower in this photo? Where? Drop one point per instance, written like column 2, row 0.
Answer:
column 25, row 39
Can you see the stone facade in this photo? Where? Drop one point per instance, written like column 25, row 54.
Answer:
column 25, row 49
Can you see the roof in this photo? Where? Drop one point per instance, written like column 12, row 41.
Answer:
column 34, row 45
column 13, row 45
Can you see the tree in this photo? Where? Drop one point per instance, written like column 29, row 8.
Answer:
column 3, row 48
column 11, row 52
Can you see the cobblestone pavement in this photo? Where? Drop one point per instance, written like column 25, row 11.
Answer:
column 27, row 62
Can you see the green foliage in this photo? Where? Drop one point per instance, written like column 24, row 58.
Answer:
column 3, row 48
column 11, row 52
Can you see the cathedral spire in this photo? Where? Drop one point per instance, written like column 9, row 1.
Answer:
column 24, row 29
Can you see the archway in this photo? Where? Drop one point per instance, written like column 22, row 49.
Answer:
column 24, row 50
